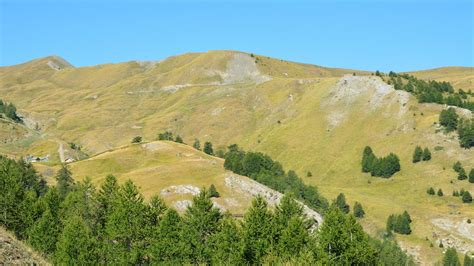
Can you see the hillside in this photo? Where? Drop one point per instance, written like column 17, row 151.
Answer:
column 459, row 77
column 308, row 117
column 15, row 252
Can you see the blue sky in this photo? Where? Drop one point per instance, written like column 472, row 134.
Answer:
column 366, row 34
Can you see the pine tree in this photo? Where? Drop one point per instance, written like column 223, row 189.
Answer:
column 44, row 233
column 358, row 210
column 462, row 174
column 457, row 166
column 426, row 154
column 258, row 231
column 471, row 176
column 440, row 192
column 368, row 158
column 125, row 227
column 167, row 243
column 213, row 192
column 65, row 183
column 343, row 239
column 76, row 244
column 449, row 119
column 466, row 197
column 417, row 154
column 197, row 144
column 208, row 148
column 451, row 258
column 340, row 202
column 430, row 191
column 407, row 216
column 293, row 238
column 200, row 222
column 227, row 244
column 468, row 261
column 178, row 139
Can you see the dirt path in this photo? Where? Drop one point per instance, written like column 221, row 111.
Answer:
column 61, row 153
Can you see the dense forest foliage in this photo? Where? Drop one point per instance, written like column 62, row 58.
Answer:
column 384, row 167
column 465, row 127
column 9, row 111
column 431, row 91
column 77, row 223
column 265, row 170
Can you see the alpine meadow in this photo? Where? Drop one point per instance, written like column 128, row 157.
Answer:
column 228, row 157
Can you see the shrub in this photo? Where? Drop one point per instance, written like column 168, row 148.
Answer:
column 440, row 192
column 358, row 210
column 137, row 139
column 430, row 191
column 208, row 148
column 466, row 197
column 426, row 154
column 213, row 192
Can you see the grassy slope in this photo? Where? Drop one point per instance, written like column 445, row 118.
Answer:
column 103, row 107
column 15, row 252
column 459, row 77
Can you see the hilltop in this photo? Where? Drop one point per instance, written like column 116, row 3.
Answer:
column 311, row 118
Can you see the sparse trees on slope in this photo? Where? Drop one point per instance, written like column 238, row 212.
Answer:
column 466, row 133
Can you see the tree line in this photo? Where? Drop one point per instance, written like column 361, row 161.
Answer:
column 9, row 111
column 263, row 169
column 431, row 91
column 383, row 167
column 77, row 223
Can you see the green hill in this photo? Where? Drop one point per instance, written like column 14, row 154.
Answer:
column 310, row 118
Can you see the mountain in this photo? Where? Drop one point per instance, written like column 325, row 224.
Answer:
column 310, row 118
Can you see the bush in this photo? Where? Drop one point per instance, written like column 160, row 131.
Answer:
column 137, row 139
column 440, row 192
column 466, row 197
column 208, row 148
column 197, row 144
column 179, row 139
column 457, row 166
column 471, row 176
column 430, row 191
column 213, row 192
column 358, row 210
column 309, row 174
column 165, row 136
column 462, row 174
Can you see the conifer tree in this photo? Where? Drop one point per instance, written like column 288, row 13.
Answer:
column 178, row 139
column 426, row 154
column 213, row 192
column 200, row 222
column 368, row 158
column 340, row 202
column 258, row 231
column 471, row 176
column 293, row 238
column 208, row 148
column 430, row 191
column 451, row 258
column 417, row 154
column 440, row 192
column 65, row 183
column 358, row 210
column 227, row 243
column 466, row 197
column 76, row 244
column 462, row 174
column 344, row 240
column 197, row 144
column 457, row 166
column 449, row 119
column 167, row 242
column 468, row 261
column 44, row 233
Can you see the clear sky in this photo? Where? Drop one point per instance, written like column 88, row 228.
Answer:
column 363, row 34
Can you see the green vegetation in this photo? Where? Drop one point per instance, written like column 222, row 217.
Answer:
column 430, row 91
column 449, row 119
column 471, row 176
column 166, row 136
column 430, row 191
column 137, row 139
column 115, row 225
column 466, row 197
column 9, row 110
column 462, row 174
column 213, row 192
column 417, row 154
column 264, row 170
column 383, row 167
column 466, row 133
column 426, row 154
column 440, row 192
column 340, row 203
column 399, row 223
column 451, row 258
column 208, row 148
column 358, row 210
column 197, row 144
